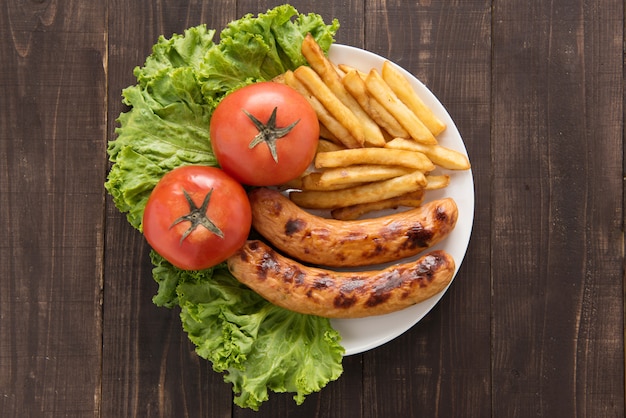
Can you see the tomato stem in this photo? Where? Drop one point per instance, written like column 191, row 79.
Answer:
column 197, row 216
column 268, row 132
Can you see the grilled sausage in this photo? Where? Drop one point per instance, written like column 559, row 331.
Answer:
column 330, row 242
column 315, row 291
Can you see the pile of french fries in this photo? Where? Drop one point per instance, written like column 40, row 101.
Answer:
column 378, row 145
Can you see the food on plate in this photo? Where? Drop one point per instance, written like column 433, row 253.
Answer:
column 166, row 125
column 360, row 173
column 348, row 213
column 197, row 217
column 355, row 84
column 325, row 145
column 327, row 71
column 434, row 182
column 329, row 123
column 264, row 134
column 330, row 242
column 327, row 293
column 403, row 89
column 440, row 156
column 386, row 156
column 356, row 177
column 344, row 115
column 381, row 91
column 361, row 193
column 237, row 330
column 173, row 120
column 311, row 181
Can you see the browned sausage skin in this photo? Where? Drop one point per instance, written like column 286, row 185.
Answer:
column 314, row 291
column 329, row 242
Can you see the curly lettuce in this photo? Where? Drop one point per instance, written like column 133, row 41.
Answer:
column 179, row 86
column 258, row 346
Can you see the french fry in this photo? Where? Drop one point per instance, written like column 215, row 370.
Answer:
column 366, row 193
column 355, row 85
column 378, row 145
column 337, row 129
column 409, row 121
column 335, row 107
column 324, row 145
column 411, row 199
column 360, row 174
column 280, row 79
column 379, row 156
column 437, row 182
column 405, row 92
column 311, row 181
column 292, row 184
column 339, row 70
column 328, row 74
column 347, row 68
column 441, row 156
column 326, row 134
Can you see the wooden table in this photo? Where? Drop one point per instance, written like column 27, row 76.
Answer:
column 533, row 324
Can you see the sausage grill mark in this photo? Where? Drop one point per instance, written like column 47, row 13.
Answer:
column 378, row 248
column 328, row 242
column 294, row 275
column 391, row 230
column 276, row 208
column 376, row 299
column 293, row 226
column 441, row 214
column 344, row 302
column 333, row 294
column 322, row 283
column 267, row 265
column 418, row 236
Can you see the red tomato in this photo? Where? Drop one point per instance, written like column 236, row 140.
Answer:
column 197, row 217
column 252, row 122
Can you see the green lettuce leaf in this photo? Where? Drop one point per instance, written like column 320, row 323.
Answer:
column 185, row 50
column 254, row 49
column 179, row 86
column 166, row 128
column 258, row 346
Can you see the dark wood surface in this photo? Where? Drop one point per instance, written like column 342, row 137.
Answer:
column 532, row 326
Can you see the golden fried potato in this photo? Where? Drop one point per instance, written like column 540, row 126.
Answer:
column 332, row 104
column 405, row 92
column 378, row 147
column 366, row 193
column 412, row 199
column 347, row 68
column 380, row 156
column 328, row 74
column 437, row 182
column 325, row 145
column 365, row 173
column 337, row 130
column 355, row 85
column 311, row 181
column 441, row 156
column 381, row 91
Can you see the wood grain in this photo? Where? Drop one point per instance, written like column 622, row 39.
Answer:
column 149, row 367
column 441, row 367
column 52, row 102
column 342, row 397
column 557, row 245
column 533, row 324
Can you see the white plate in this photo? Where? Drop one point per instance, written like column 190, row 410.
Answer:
column 363, row 334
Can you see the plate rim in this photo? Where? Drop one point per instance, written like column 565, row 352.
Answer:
column 451, row 130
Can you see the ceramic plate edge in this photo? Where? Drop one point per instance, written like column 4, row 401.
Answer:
column 363, row 334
